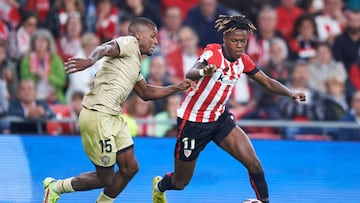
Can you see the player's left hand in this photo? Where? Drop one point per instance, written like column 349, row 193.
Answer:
column 76, row 64
column 209, row 70
column 184, row 84
column 298, row 96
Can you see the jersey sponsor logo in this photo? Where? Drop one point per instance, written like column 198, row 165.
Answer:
column 224, row 78
column 105, row 160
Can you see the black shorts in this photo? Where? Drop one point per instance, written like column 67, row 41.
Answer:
column 194, row 136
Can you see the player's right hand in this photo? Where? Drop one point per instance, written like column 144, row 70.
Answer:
column 76, row 64
column 300, row 96
column 209, row 70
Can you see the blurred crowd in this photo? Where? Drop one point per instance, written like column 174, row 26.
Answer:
column 309, row 45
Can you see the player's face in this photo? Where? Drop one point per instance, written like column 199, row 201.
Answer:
column 235, row 43
column 148, row 40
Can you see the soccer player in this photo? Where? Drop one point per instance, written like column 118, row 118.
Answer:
column 203, row 117
column 105, row 136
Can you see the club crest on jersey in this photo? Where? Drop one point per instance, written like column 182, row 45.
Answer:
column 206, row 55
column 125, row 40
column 105, row 160
column 187, row 152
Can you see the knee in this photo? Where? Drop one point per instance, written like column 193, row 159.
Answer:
column 107, row 181
column 255, row 166
column 129, row 171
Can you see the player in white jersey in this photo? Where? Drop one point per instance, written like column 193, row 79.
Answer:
column 203, row 116
column 104, row 133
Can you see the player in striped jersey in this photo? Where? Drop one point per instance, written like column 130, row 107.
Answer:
column 203, row 117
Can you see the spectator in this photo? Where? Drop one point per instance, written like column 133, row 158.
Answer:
column 335, row 104
column 8, row 73
column 64, row 111
column 9, row 12
column 259, row 43
column 172, row 102
column 158, row 76
column 287, row 13
column 41, row 7
column 354, row 75
column 347, row 45
column 312, row 6
column 278, row 68
column 184, row 6
column 331, row 21
column 44, row 67
column 352, row 116
column 240, row 101
column 76, row 106
column 81, row 81
column 107, row 17
column 26, row 106
column 304, row 39
column 4, row 105
column 139, row 109
column 59, row 13
column 131, row 124
column 202, row 19
column 123, row 25
column 324, row 66
column 353, row 4
column 4, row 30
column 181, row 60
column 309, row 110
column 143, row 8
column 18, row 43
column 168, row 34
column 70, row 41
column 249, row 8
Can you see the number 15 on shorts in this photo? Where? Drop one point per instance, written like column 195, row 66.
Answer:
column 105, row 145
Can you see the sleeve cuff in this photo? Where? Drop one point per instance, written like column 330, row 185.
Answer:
column 253, row 72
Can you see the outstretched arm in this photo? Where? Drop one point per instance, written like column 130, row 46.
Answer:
column 110, row 48
column 276, row 87
column 150, row 92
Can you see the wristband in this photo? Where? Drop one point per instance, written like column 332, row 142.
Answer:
column 201, row 72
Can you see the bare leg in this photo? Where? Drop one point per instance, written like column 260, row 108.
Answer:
column 239, row 146
column 128, row 167
column 93, row 180
column 184, row 171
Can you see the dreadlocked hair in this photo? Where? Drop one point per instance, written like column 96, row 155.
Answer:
column 227, row 24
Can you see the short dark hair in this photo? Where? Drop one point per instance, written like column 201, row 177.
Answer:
column 227, row 24
column 140, row 21
column 300, row 20
column 77, row 95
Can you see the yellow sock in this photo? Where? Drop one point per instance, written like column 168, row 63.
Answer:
column 63, row 186
column 104, row 198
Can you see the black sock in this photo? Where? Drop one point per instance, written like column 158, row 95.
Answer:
column 259, row 184
column 166, row 183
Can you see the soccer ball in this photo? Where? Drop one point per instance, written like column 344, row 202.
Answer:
column 251, row 201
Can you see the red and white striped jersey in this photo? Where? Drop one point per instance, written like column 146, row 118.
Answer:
column 207, row 101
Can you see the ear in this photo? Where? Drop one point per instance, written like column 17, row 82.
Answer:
column 137, row 35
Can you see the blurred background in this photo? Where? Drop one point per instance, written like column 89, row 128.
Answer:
column 310, row 150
